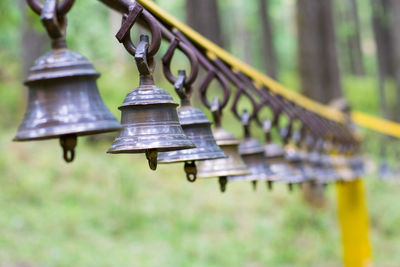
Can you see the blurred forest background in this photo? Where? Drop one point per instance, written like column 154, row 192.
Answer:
column 107, row 210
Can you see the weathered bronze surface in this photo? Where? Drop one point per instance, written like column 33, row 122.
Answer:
column 295, row 161
column 232, row 165
column 253, row 156
column 197, row 127
column 252, row 153
column 63, row 100
column 278, row 164
column 150, row 122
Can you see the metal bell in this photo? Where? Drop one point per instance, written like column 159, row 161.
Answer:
column 331, row 172
column 357, row 165
column 278, row 164
column 295, row 161
column 198, row 128
column 149, row 118
column 252, row 153
column 63, row 101
column 320, row 172
column 304, row 157
column 222, row 168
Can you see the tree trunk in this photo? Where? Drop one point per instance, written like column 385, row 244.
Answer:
column 384, row 42
column 395, row 7
column 317, row 55
column 351, row 21
column 268, row 44
column 203, row 16
column 381, row 24
column 318, row 65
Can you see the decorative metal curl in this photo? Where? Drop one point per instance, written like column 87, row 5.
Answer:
column 128, row 20
column 212, row 73
column 167, row 58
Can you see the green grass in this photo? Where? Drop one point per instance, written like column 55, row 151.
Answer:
column 111, row 210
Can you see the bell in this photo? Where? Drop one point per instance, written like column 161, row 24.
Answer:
column 295, row 161
column 222, row 168
column 331, row 172
column 198, row 128
column 308, row 169
column 63, row 101
column 315, row 160
column 149, row 118
column 252, row 153
column 356, row 163
column 279, row 165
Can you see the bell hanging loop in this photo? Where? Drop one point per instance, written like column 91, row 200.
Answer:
column 68, row 143
column 141, row 57
column 191, row 171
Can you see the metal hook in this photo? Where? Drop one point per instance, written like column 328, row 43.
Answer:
column 141, row 56
column 128, row 20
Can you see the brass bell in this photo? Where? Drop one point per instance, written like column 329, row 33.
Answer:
column 222, row 168
column 293, row 156
column 276, row 157
column 304, row 157
column 63, row 101
column 253, row 156
column 329, row 169
column 149, row 118
column 356, row 164
column 198, row 128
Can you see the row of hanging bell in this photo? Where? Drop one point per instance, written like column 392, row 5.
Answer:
column 278, row 159
column 293, row 158
column 63, row 99
column 231, row 165
column 198, row 128
column 149, row 118
column 253, row 155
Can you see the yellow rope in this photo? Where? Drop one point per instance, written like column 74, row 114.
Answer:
column 376, row 124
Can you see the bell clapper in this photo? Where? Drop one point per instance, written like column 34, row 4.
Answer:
column 151, row 156
column 68, row 143
column 254, row 184
column 270, row 185
column 191, row 171
column 222, row 183
column 290, row 187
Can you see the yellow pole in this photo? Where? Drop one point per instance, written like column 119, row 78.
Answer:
column 353, row 219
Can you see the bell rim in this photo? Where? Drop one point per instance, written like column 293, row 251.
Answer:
column 135, row 150
column 21, row 138
column 197, row 158
column 224, row 173
column 250, row 177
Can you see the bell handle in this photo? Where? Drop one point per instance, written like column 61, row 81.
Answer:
column 193, row 61
column 128, row 20
column 241, row 92
column 216, row 112
column 245, row 120
column 184, row 94
column 267, row 126
column 211, row 75
column 141, row 59
column 63, row 7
